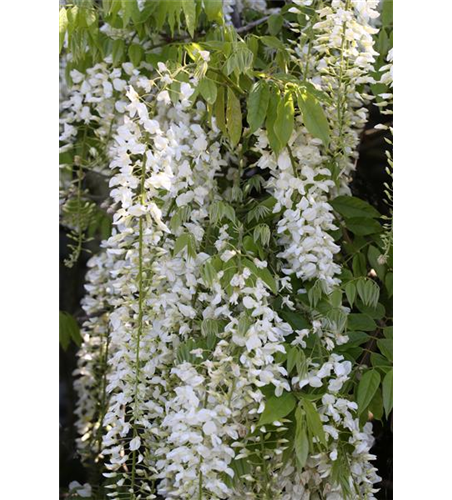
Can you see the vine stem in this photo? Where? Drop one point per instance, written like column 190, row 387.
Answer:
column 342, row 88
column 140, row 321
column 200, row 482
column 78, row 162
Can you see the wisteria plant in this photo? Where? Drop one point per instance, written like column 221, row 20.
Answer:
column 237, row 332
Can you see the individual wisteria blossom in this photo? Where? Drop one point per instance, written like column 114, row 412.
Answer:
column 83, row 491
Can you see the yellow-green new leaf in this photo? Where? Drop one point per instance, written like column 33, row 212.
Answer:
column 284, row 119
column 273, row 139
column 62, row 26
column 208, row 89
column 189, row 7
column 128, row 7
column 313, row 117
column 213, row 10
column 234, row 118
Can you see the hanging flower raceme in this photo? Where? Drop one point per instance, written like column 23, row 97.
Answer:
column 300, row 184
column 343, row 56
column 92, row 368
column 163, row 188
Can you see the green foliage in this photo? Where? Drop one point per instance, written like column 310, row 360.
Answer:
column 313, row 116
column 387, row 393
column 354, row 208
column 264, row 274
column 208, row 89
column 367, row 388
column 185, row 241
column 79, row 215
column 258, row 105
column 284, row 122
column 313, row 421
column 214, row 10
column 301, row 443
column 69, row 331
column 276, row 408
column 63, row 25
column 233, row 118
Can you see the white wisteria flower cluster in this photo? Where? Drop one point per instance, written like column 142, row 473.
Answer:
column 210, row 367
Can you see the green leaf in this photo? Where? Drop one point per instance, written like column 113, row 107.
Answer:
column 284, row 119
column 275, row 23
column 315, row 425
column 69, row 330
column 388, row 283
column 363, row 227
column 264, row 274
column 277, row 408
column 210, row 329
column 367, row 388
column 214, row 10
column 376, row 405
column 314, row 117
column 361, row 322
column 209, row 273
column 128, row 7
column 368, row 291
column 350, row 292
column 357, row 338
column 273, row 139
column 240, row 61
column 301, row 443
column 377, row 360
column 295, row 320
column 63, row 24
column 386, row 348
column 292, row 357
column 233, row 118
column 220, row 210
column 336, row 298
column 118, row 51
column 189, row 7
column 136, row 54
column 387, row 12
column 208, row 89
column 387, row 332
column 359, row 265
column 219, row 111
column 375, row 312
column 387, row 393
column 315, row 293
column 262, row 233
column 257, row 105
column 273, row 43
column 349, row 206
column 185, row 241
column 373, row 255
